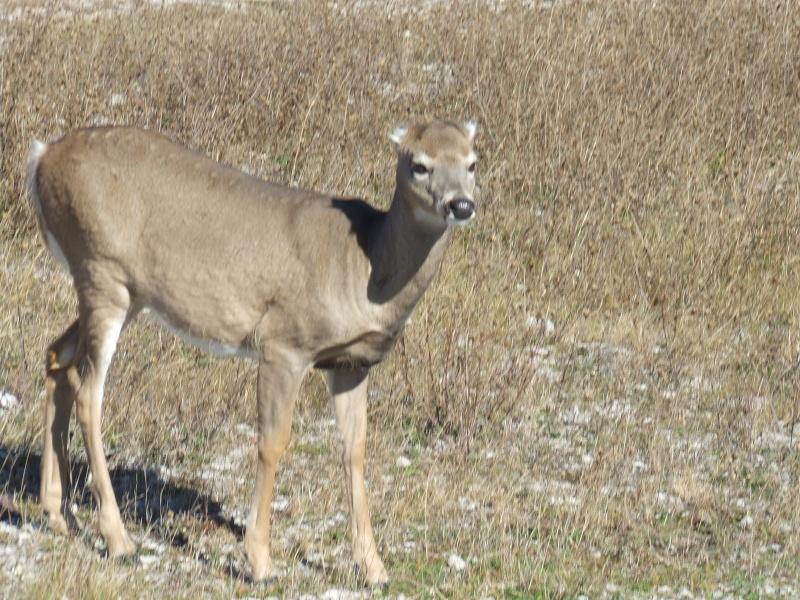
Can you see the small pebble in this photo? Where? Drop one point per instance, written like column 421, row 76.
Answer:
column 149, row 560
column 8, row 401
column 456, row 562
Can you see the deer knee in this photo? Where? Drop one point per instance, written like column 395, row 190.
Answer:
column 271, row 451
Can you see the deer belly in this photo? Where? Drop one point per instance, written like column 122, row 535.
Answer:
column 362, row 352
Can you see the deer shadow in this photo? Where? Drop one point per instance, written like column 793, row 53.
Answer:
column 144, row 497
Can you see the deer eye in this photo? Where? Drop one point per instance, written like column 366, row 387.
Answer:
column 419, row 169
column 471, row 167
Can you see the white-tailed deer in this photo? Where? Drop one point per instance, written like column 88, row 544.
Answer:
column 291, row 278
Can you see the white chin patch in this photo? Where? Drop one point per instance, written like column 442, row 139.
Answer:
column 451, row 220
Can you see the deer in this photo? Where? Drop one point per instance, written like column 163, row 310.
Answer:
column 290, row 278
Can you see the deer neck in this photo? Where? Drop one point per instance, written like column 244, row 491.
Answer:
column 405, row 253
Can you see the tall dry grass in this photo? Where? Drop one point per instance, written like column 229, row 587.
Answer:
column 640, row 169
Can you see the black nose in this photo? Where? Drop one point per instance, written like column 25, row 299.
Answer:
column 461, row 208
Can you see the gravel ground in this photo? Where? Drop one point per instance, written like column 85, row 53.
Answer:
column 212, row 557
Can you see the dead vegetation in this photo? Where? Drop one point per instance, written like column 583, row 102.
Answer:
column 598, row 394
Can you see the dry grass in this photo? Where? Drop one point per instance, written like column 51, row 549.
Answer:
column 640, row 166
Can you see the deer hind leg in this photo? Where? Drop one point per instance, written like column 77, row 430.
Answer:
column 61, row 384
column 349, row 394
column 278, row 384
column 99, row 331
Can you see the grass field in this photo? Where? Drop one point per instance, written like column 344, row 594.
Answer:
column 598, row 395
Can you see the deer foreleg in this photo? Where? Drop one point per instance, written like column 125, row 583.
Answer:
column 349, row 394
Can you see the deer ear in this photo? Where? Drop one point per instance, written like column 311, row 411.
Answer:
column 470, row 127
column 397, row 136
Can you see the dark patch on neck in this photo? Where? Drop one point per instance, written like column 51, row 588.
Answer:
column 367, row 223
column 363, row 218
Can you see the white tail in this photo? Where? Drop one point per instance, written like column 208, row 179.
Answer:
column 291, row 278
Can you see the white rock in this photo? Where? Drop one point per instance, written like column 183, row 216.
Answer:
column 403, row 462
column 9, row 530
column 156, row 547
column 8, row 401
column 549, row 327
column 335, row 594
column 246, row 429
column 280, row 504
column 546, row 325
column 467, row 504
column 456, row 562
column 548, row 374
column 149, row 560
column 746, row 522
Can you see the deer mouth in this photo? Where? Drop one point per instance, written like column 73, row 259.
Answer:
column 459, row 211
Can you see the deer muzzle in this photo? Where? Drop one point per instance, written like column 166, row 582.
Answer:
column 460, row 211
